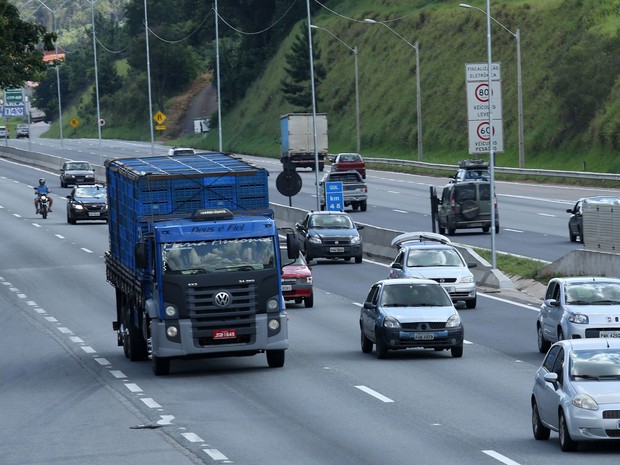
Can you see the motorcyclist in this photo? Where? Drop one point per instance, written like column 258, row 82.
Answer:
column 40, row 190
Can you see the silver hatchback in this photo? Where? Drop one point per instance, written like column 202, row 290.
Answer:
column 579, row 308
column 577, row 392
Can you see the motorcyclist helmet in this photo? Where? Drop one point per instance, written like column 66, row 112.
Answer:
column 41, row 181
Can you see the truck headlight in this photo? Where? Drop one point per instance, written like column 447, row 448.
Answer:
column 272, row 304
column 274, row 324
column 171, row 311
column 172, row 331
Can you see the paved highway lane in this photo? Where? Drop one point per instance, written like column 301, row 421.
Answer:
column 330, row 404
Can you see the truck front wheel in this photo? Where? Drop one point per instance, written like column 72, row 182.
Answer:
column 134, row 344
column 275, row 358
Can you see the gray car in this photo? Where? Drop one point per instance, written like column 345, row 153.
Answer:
column 577, row 392
column 76, row 173
column 432, row 256
column 579, row 308
column 407, row 313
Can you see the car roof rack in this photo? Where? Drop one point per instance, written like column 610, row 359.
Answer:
column 473, row 164
column 420, row 236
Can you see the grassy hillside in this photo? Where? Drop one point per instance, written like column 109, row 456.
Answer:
column 570, row 91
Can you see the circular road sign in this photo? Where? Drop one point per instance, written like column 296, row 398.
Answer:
column 101, row 122
column 288, row 183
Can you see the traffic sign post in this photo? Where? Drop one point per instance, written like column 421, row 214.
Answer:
column 13, row 96
column 478, row 111
column 334, row 197
column 13, row 110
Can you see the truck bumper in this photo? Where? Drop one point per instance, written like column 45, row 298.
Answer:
column 188, row 346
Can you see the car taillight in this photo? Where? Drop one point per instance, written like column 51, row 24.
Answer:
column 365, row 188
column 452, row 204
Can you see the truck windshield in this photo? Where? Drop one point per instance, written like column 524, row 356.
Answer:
column 218, row 256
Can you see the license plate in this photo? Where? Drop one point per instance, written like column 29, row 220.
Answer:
column 225, row 334
column 423, row 336
column 287, row 287
column 336, row 249
column 609, row 334
column 94, row 214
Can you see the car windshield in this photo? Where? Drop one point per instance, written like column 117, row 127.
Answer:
column 414, row 295
column 331, row 222
column 78, row 166
column 423, row 258
column 594, row 293
column 600, row 364
column 95, row 192
column 218, row 256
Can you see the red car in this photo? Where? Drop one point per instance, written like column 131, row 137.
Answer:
column 297, row 281
column 350, row 161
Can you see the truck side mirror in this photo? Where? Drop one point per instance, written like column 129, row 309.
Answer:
column 141, row 255
column 292, row 246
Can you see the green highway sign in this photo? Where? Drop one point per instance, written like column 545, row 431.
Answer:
column 13, row 96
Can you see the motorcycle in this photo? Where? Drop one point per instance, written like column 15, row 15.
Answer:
column 43, row 207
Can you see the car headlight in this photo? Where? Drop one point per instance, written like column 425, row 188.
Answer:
column 77, row 206
column 467, row 279
column 453, row 321
column 356, row 240
column 391, row 322
column 585, row 401
column 309, row 280
column 314, row 239
column 578, row 318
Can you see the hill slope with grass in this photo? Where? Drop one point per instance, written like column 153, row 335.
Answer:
column 570, row 68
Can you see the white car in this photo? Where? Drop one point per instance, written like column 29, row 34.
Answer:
column 4, row 133
column 181, row 151
column 579, row 307
column 432, row 256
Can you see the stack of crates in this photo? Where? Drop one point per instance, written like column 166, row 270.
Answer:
column 143, row 190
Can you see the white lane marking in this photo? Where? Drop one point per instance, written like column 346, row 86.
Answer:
column 513, row 230
column 150, row 402
column 65, row 330
column 393, row 192
column 59, row 236
column 118, row 374
column 133, row 387
column 399, row 211
column 375, row 394
column 102, row 361
column 51, row 319
column 16, row 215
column 500, row 299
column 215, row 454
column 547, row 214
column 76, row 339
column 86, row 250
column 165, row 420
column 500, row 457
column 88, row 349
column 192, row 437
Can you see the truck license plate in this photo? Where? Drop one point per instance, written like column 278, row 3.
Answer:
column 423, row 336
column 336, row 249
column 94, row 214
column 609, row 334
column 287, row 287
column 224, row 334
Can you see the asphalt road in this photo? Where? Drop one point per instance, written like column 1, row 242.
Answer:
column 68, row 389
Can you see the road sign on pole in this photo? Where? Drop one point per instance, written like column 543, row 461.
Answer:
column 477, row 77
column 334, row 197
column 13, row 110
column 13, row 96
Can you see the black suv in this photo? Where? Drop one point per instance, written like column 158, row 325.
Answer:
column 329, row 234
column 466, row 205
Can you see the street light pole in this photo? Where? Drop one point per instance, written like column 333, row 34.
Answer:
column 148, row 77
column 517, row 36
column 217, row 66
column 316, row 150
column 416, row 47
column 92, row 14
column 357, row 91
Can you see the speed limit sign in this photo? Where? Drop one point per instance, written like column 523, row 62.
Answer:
column 480, row 134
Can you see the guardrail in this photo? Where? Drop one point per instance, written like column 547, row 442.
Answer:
column 515, row 171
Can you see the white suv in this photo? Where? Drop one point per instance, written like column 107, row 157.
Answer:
column 4, row 133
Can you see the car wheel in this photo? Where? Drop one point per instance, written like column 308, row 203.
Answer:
column 366, row 343
column 363, row 205
column 322, row 207
column 309, row 301
column 471, row 303
column 441, row 230
column 566, row 442
column 358, row 259
column 560, row 334
column 456, row 351
column 355, row 206
column 497, row 229
column 62, row 183
column 381, row 348
column 543, row 344
column 275, row 358
column 451, row 231
column 308, row 257
column 486, row 229
column 573, row 237
column 541, row 432
column 70, row 219
column 133, row 342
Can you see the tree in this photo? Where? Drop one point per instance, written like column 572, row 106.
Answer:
column 299, row 91
column 21, row 59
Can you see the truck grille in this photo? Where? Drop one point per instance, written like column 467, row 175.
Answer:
column 207, row 317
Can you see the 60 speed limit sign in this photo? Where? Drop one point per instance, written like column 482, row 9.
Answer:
column 479, row 136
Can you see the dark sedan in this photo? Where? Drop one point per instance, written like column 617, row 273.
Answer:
column 76, row 173
column 87, row 203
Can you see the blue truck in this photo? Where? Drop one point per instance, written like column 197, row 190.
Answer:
column 195, row 259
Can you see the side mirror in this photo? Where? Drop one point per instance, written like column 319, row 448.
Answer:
column 298, row 226
column 369, row 306
column 292, row 246
column 552, row 303
column 472, row 265
column 397, row 266
column 551, row 378
column 569, row 210
column 359, row 226
column 68, row 197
